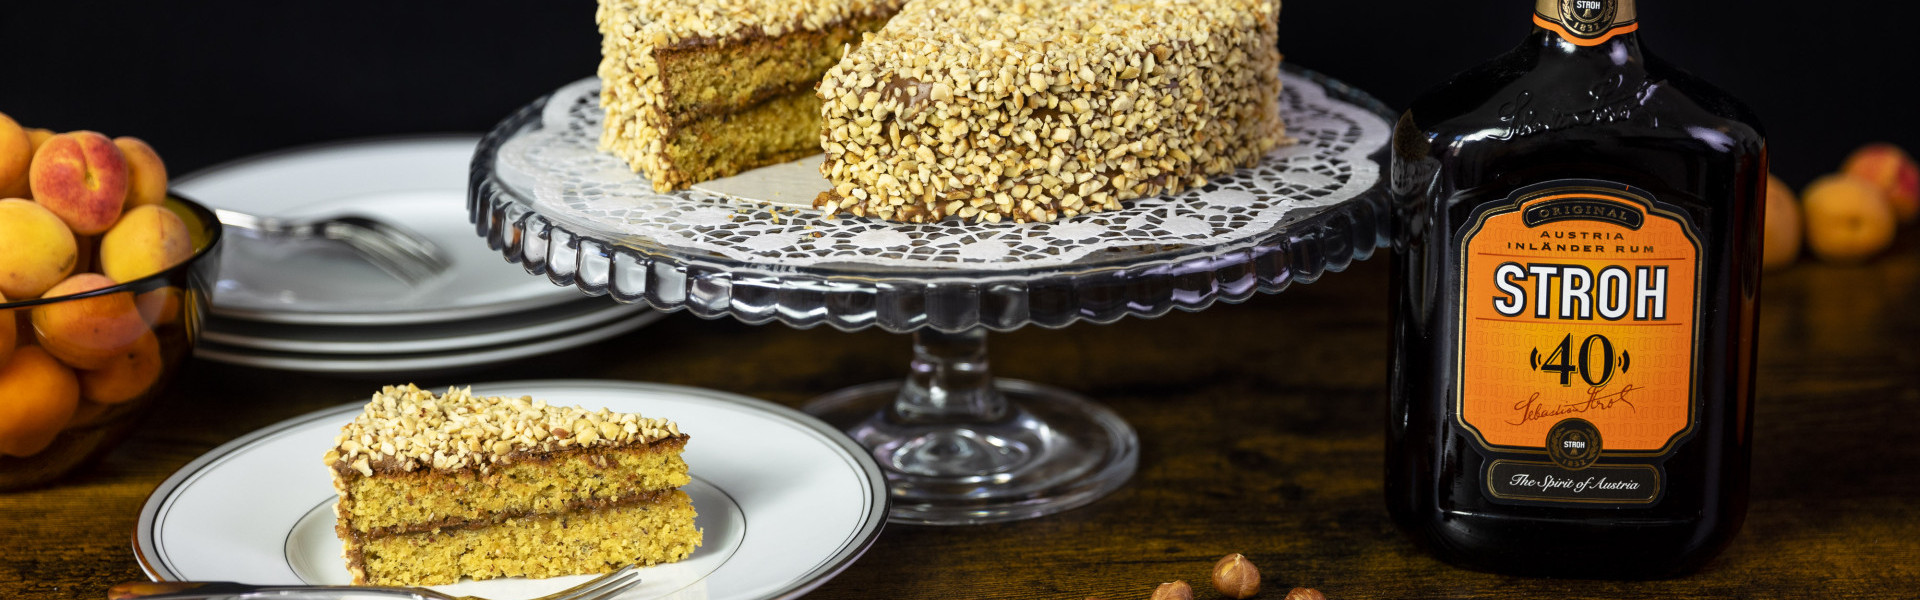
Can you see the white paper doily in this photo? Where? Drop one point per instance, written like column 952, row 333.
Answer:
column 556, row 162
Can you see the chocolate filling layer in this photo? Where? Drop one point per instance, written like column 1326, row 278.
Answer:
column 456, row 523
column 393, row 466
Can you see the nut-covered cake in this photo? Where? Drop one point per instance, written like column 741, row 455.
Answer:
column 438, row 487
column 1032, row 110
column 699, row 89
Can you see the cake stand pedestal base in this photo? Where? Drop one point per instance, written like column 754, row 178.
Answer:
column 961, row 447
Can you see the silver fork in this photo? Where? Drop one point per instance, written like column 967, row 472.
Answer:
column 601, row 588
column 396, row 250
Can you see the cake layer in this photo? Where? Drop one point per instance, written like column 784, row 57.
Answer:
column 710, row 78
column 1032, row 110
column 594, row 541
column 782, row 129
column 667, row 63
column 425, row 499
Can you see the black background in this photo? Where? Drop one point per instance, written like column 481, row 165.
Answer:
column 215, row 80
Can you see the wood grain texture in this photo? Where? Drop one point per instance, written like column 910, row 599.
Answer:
column 1261, row 430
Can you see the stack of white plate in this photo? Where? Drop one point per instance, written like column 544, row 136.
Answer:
column 319, row 307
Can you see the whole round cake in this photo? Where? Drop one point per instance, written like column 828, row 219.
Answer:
column 985, row 110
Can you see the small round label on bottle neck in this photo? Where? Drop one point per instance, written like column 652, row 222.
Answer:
column 1586, row 22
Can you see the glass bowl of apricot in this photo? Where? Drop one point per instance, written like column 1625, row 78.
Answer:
column 101, row 301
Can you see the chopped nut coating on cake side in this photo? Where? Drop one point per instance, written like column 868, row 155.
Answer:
column 1033, row 110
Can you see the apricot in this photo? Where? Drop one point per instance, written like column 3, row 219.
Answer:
column 16, row 154
column 1892, row 170
column 147, row 240
column 87, row 333
column 9, row 333
column 159, row 307
column 126, row 376
column 40, row 397
column 36, row 249
column 1848, row 219
column 146, row 175
column 1782, row 238
column 38, row 136
column 82, row 177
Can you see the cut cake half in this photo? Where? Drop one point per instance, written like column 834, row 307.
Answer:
column 699, row 89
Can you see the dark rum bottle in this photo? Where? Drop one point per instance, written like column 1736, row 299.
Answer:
column 1576, row 256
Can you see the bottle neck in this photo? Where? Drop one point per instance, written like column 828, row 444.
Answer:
column 1586, row 23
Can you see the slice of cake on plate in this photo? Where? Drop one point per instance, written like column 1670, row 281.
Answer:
column 438, row 487
column 699, row 89
column 1032, row 110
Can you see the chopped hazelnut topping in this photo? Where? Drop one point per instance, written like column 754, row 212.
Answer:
column 412, row 428
column 1085, row 94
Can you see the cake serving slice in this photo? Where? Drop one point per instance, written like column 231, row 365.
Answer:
column 699, row 89
column 1032, row 110
column 433, row 488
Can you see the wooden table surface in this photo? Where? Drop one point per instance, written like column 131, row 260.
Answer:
column 1261, row 433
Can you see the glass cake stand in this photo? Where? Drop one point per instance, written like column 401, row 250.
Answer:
column 959, row 445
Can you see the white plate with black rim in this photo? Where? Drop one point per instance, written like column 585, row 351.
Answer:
column 785, row 501
column 416, row 362
column 587, row 312
column 419, row 183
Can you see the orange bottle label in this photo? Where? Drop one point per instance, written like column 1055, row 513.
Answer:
column 1578, row 325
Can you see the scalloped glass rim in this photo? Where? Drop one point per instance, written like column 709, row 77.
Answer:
column 850, row 297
